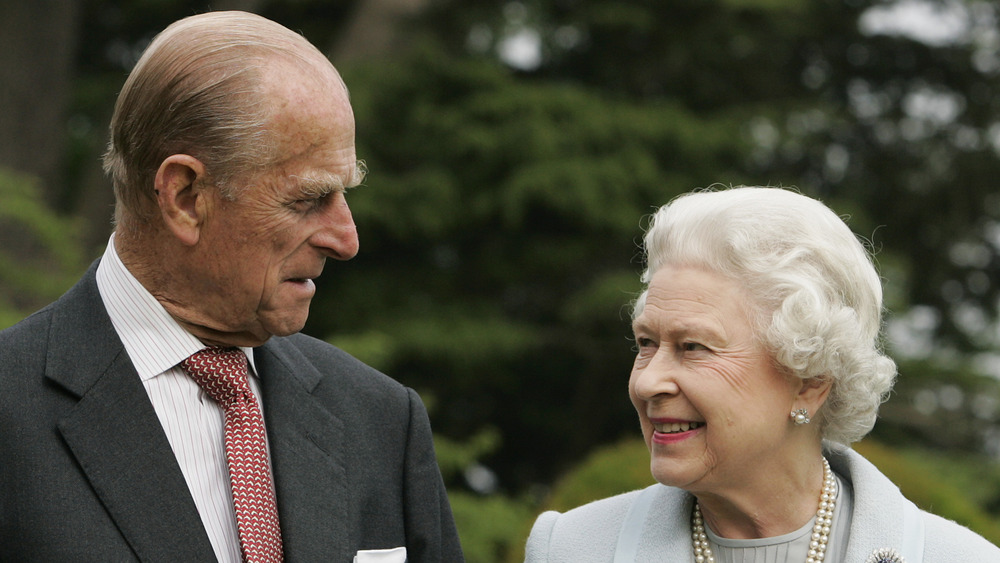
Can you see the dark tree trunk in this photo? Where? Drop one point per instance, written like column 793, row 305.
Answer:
column 37, row 45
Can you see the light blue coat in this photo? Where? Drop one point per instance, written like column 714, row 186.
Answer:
column 589, row 534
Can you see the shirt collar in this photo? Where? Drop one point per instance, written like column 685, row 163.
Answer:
column 154, row 341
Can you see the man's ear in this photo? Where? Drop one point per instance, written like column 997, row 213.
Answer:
column 181, row 196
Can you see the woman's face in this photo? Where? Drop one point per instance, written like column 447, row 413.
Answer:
column 711, row 402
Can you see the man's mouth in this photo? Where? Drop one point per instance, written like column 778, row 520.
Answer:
column 309, row 277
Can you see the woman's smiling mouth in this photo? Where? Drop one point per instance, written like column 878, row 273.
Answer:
column 672, row 431
column 676, row 427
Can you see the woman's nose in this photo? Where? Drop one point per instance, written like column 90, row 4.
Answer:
column 657, row 378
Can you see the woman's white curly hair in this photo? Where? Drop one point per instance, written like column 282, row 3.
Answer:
column 815, row 293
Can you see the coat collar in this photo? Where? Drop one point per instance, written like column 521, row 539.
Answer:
column 876, row 522
column 114, row 434
column 879, row 506
column 116, row 437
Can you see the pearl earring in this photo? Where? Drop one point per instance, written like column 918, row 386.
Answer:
column 800, row 416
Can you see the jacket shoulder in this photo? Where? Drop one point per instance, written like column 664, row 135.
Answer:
column 316, row 349
column 22, row 338
column 24, row 353
column 329, row 363
column 946, row 540
column 583, row 534
column 80, row 307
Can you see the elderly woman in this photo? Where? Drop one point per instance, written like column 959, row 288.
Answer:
column 758, row 364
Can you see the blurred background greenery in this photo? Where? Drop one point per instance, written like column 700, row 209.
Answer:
column 515, row 149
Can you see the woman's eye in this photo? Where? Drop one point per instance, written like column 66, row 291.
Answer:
column 644, row 345
column 693, row 347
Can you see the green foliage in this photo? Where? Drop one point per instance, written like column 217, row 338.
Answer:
column 501, row 218
column 817, row 102
column 500, row 222
column 433, row 336
column 454, row 457
column 491, row 527
column 606, row 472
column 499, row 226
column 947, row 405
column 40, row 252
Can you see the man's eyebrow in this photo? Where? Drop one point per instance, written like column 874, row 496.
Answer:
column 319, row 185
column 358, row 174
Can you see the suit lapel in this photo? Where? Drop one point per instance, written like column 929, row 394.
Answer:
column 115, row 435
column 306, row 456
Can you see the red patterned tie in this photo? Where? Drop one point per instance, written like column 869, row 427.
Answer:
column 222, row 373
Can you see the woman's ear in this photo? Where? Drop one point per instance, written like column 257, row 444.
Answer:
column 181, row 196
column 813, row 393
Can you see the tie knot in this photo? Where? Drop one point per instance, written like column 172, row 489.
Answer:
column 221, row 372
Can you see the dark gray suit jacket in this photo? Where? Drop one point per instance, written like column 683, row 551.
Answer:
column 87, row 474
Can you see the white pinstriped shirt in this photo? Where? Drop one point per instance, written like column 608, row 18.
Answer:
column 193, row 422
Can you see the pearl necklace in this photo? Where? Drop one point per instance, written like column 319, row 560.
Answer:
column 820, row 533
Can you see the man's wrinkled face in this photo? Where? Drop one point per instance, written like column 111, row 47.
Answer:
column 264, row 248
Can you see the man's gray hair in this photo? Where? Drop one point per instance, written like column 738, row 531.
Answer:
column 198, row 89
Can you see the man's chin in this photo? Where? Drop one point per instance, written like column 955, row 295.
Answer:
column 255, row 334
column 284, row 325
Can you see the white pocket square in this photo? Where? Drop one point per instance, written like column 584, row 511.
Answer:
column 393, row 555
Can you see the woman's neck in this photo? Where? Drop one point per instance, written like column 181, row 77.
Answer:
column 770, row 500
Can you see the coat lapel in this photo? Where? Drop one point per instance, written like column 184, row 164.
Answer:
column 115, row 435
column 671, row 511
column 877, row 520
column 306, row 457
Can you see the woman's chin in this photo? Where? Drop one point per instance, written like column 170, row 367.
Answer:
column 666, row 472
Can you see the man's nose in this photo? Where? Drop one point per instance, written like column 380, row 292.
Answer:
column 338, row 236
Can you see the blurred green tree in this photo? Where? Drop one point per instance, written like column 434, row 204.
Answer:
column 508, row 192
column 41, row 256
column 515, row 148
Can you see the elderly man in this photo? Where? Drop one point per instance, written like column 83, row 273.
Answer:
column 166, row 408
